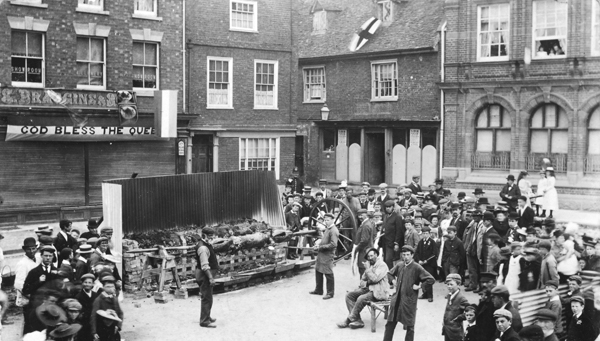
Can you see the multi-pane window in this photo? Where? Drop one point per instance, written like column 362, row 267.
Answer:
column 243, row 15
column 265, row 84
column 314, row 84
column 549, row 130
column 259, row 153
column 493, row 130
column 219, row 82
column 595, row 28
column 493, row 32
column 319, row 22
column 146, row 7
column 594, row 132
column 97, row 5
column 385, row 11
column 91, row 64
column 145, row 65
column 27, row 58
column 384, row 81
column 550, row 28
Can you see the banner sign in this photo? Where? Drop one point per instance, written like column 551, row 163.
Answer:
column 79, row 134
column 71, row 98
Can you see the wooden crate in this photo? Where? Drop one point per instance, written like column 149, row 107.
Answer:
column 235, row 263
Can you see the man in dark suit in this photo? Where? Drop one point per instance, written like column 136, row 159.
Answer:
column 92, row 229
column 407, row 199
column 292, row 220
column 504, row 331
column 64, row 238
column 42, row 273
column 393, row 239
column 526, row 213
column 510, row 192
column 414, row 185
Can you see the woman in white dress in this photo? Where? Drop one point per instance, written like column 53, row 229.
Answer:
column 539, row 201
column 550, row 194
column 525, row 186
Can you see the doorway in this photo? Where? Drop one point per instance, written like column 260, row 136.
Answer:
column 202, row 154
column 375, row 157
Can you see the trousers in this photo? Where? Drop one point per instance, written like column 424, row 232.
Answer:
column 319, row 282
column 391, row 326
column 450, row 269
column 428, row 288
column 473, row 267
column 356, row 301
column 206, row 294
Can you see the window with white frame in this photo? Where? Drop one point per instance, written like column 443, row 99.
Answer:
column 243, row 15
column 492, row 129
column 493, row 32
column 91, row 65
column 385, row 11
column 314, row 84
column 549, row 130
column 219, row 90
column 27, row 58
column 93, row 5
column 145, row 65
column 595, row 28
column 265, row 84
column 384, row 75
column 146, row 7
column 319, row 22
column 259, row 153
column 549, row 29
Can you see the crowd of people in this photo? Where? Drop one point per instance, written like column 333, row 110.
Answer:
column 68, row 286
column 408, row 238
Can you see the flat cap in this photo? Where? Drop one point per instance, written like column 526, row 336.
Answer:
column 207, row 230
column 46, row 240
column 502, row 313
column 383, row 185
column 552, row 283
column 545, row 244
column 500, row 290
column 487, row 276
column 426, row 229
column 361, row 211
column 48, row 248
column 532, row 332
column 451, row 228
column 453, row 277
column 408, row 248
column 389, row 203
column 546, row 314
column 576, row 279
column 86, row 276
column 377, row 214
column 365, row 184
column 578, row 299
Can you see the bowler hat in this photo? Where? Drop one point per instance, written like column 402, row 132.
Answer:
column 29, row 242
column 92, row 223
column 371, row 191
column 502, row 313
column 478, row 191
column 319, row 194
column 513, row 216
column 483, row 201
column 439, row 181
column 546, row 314
column 510, row 177
column 461, row 195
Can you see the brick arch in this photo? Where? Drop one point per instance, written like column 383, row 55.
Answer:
column 589, row 104
column 540, row 99
column 484, row 100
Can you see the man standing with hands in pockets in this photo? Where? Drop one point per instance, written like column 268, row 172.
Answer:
column 325, row 253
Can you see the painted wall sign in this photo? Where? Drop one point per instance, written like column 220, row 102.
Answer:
column 181, row 148
column 78, row 134
column 415, row 137
column 37, row 97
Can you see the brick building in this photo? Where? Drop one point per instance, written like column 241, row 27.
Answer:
column 84, row 50
column 240, row 66
column 383, row 102
column 521, row 84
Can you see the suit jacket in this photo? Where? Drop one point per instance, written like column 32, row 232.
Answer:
column 393, row 227
column 365, row 235
column 32, row 281
column 453, row 330
column 509, row 335
column 415, row 188
column 426, row 251
column 526, row 218
column 453, row 252
column 514, row 192
column 61, row 243
column 81, row 268
column 293, row 221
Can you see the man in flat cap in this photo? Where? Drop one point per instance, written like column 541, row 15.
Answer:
column 363, row 241
column 485, row 309
column 325, row 254
column 393, row 234
column 207, row 265
column 407, row 199
column 452, row 328
column 403, row 304
column 532, row 333
column 426, row 254
column 546, row 319
column 501, row 300
column 383, row 193
column 414, row 185
column 510, row 192
column 504, row 331
column 323, row 188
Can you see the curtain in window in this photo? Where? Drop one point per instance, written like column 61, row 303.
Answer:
column 145, row 5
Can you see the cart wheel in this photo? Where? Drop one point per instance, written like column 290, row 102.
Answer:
column 344, row 220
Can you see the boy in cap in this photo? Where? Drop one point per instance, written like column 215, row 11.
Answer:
column 453, row 253
column 581, row 327
column 86, row 298
column 554, row 304
column 472, row 332
column 426, row 254
column 504, row 331
column 107, row 317
column 574, row 283
column 414, row 185
column 548, row 267
column 546, row 320
column 452, row 328
column 501, row 299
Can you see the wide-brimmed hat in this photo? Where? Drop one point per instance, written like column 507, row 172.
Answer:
column 64, row 330
column 85, row 248
column 44, row 229
column 109, row 314
column 478, row 191
column 50, row 314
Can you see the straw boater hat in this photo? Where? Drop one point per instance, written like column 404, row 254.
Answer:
column 64, row 330
column 50, row 314
column 109, row 314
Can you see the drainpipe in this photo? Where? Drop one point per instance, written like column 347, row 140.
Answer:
column 183, row 50
column 442, row 101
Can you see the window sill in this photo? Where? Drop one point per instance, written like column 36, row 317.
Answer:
column 391, row 99
column 141, row 92
column 28, row 4
column 233, row 29
column 91, row 87
column 562, row 56
column 266, row 108
column 91, row 11
column 314, row 102
column 27, row 85
column 219, row 108
column 146, row 17
column 491, row 60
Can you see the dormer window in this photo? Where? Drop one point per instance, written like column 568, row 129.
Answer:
column 385, row 11
column 319, row 22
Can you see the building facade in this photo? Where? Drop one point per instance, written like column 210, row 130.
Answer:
column 382, row 99
column 54, row 154
column 521, row 84
column 239, row 87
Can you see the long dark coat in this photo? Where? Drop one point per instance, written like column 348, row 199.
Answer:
column 403, row 304
column 327, row 249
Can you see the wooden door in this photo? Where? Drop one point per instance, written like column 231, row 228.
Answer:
column 375, row 158
column 202, row 157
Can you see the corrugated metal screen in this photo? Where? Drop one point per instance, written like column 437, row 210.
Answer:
column 202, row 199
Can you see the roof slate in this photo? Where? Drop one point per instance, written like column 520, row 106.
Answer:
column 415, row 26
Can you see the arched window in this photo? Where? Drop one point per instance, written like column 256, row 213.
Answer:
column 549, row 137
column 592, row 161
column 492, row 147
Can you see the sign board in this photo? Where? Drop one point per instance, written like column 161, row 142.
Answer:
column 71, row 98
column 342, row 137
column 415, row 138
column 181, row 148
column 78, row 134
column 165, row 115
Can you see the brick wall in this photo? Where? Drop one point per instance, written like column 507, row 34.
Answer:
column 61, row 51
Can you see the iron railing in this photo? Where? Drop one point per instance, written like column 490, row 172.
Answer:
column 591, row 164
column 534, row 161
column 483, row 160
